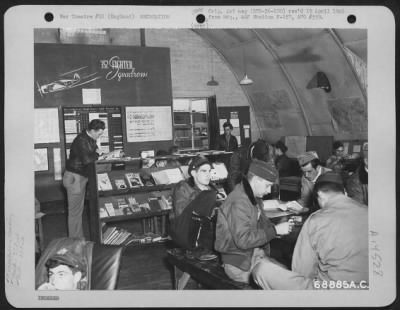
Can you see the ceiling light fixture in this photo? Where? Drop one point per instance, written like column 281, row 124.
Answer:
column 246, row 80
column 212, row 82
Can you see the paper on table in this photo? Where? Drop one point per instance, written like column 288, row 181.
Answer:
column 276, row 213
column 271, row 204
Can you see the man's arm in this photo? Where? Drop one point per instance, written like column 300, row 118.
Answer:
column 246, row 231
column 305, row 257
column 84, row 152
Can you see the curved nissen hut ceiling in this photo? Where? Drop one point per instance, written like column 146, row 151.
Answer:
column 286, row 66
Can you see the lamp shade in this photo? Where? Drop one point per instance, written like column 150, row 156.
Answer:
column 246, row 80
column 212, row 82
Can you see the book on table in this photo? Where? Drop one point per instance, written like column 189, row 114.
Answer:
column 167, row 176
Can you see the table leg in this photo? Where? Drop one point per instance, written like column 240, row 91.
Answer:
column 180, row 282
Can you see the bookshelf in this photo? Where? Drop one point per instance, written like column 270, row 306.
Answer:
column 115, row 207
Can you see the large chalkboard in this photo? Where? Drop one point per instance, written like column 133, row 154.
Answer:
column 126, row 75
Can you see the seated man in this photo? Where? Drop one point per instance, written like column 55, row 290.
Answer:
column 194, row 197
column 332, row 245
column 335, row 162
column 357, row 184
column 243, row 231
column 312, row 169
column 66, row 271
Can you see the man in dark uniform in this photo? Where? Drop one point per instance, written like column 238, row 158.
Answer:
column 226, row 141
column 83, row 152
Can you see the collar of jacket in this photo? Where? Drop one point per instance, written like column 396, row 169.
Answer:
column 190, row 181
column 249, row 191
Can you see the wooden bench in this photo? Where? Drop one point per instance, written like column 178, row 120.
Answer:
column 208, row 273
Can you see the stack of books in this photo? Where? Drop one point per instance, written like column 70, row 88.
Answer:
column 115, row 235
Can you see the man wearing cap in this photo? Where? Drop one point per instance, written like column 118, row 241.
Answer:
column 243, row 231
column 332, row 248
column 312, row 169
column 357, row 184
column 66, row 271
column 195, row 196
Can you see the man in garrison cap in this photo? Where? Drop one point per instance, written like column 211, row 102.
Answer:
column 66, row 271
column 243, row 231
column 311, row 169
column 332, row 248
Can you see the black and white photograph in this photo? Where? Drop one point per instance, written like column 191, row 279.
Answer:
column 289, row 102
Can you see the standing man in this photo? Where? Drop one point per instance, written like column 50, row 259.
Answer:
column 227, row 142
column 332, row 248
column 243, row 231
column 357, row 184
column 312, row 169
column 84, row 151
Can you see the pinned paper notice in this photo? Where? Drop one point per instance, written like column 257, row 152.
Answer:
column 91, row 96
column 235, row 122
column 246, row 131
column 57, row 164
column 221, row 124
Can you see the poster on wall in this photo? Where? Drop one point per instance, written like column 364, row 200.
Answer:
column 40, row 161
column 57, row 164
column 148, row 124
column 46, row 128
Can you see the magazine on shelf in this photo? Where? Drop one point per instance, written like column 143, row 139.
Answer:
column 103, row 182
column 147, row 180
column 121, row 202
column 167, row 176
column 133, row 204
column 103, row 213
column 154, row 204
column 120, row 184
column 134, row 180
column 165, row 203
column 145, row 207
column 109, row 208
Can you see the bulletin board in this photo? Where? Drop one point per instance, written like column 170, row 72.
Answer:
column 77, row 119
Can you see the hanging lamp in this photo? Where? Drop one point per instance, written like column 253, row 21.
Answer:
column 213, row 81
column 246, row 80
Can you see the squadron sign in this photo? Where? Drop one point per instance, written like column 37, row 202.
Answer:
column 120, row 69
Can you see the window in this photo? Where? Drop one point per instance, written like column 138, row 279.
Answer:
column 191, row 123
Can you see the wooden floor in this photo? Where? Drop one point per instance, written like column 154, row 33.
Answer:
column 143, row 268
